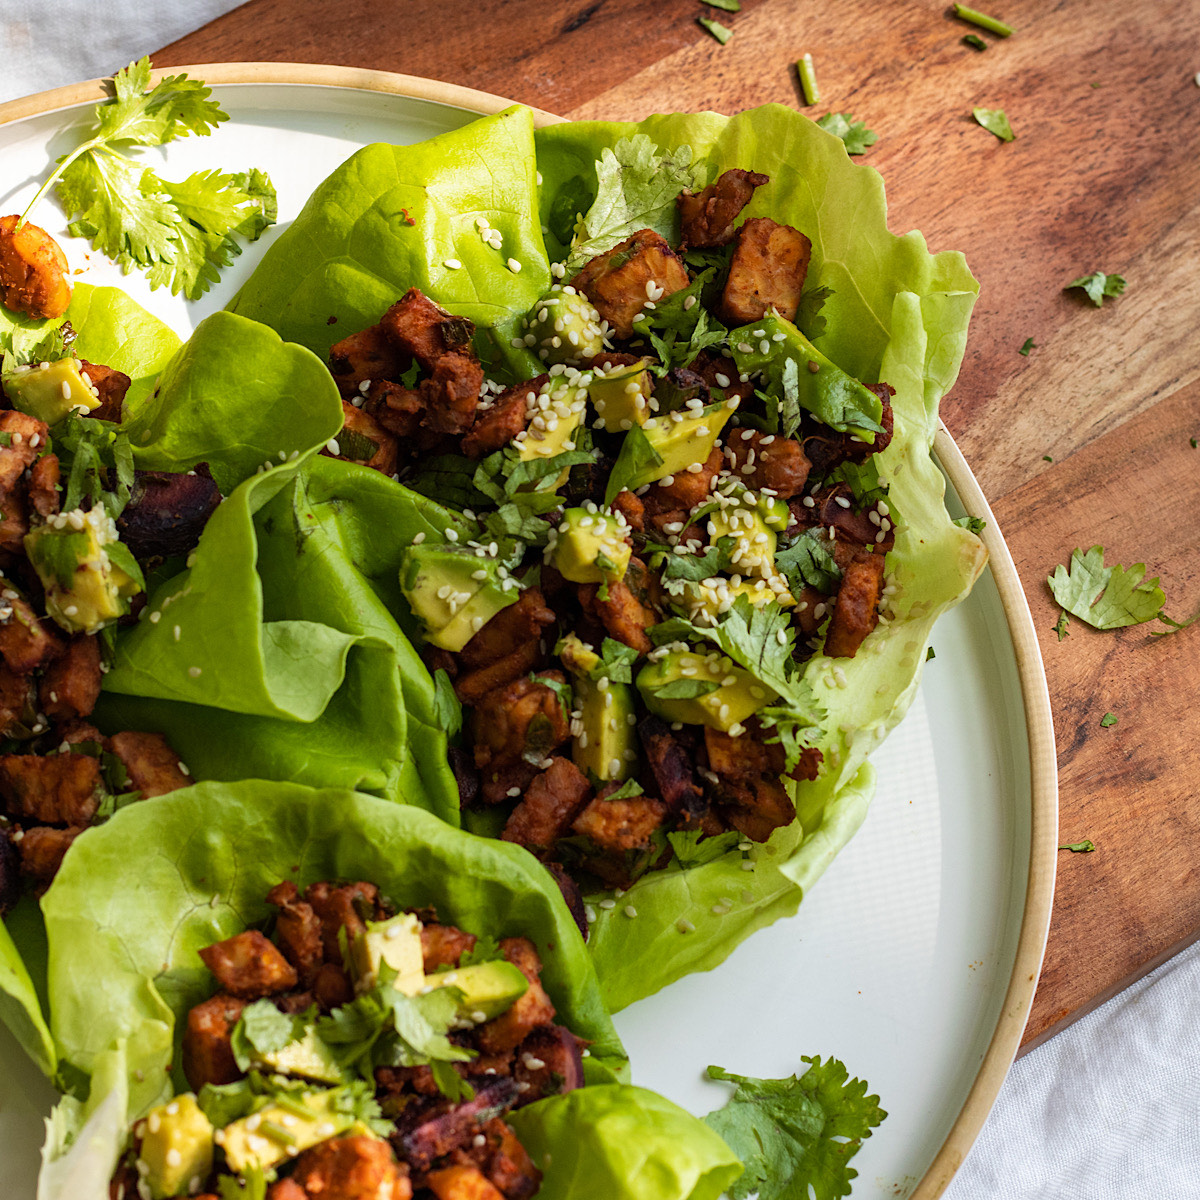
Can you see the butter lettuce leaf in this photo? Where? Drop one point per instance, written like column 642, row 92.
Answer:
column 395, row 217
column 208, row 855
column 623, row 1143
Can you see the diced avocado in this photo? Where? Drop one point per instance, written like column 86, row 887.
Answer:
column 552, row 430
column 396, row 942
column 276, row 1133
column 701, row 689
column 85, row 588
column 667, row 445
column 621, row 397
column 754, row 541
column 454, row 592
column 607, row 746
column 704, row 600
column 49, row 391
column 822, row 387
column 177, row 1147
column 488, row 989
column 577, row 656
column 308, row 1058
column 590, row 547
column 564, row 326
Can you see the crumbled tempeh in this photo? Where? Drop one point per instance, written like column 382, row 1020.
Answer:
column 153, row 767
column 508, row 1164
column 523, row 720
column 497, row 425
column 112, row 386
column 779, row 465
column 462, row 1183
column 444, row 945
column 423, row 329
column 672, row 767
column 44, row 486
column 706, row 218
column 71, row 685
column 338, row 908
column 451, row 393
column 508, row 629
column 360, row 427
column 58, row 789
column 471, row 687
column 368, row 354
column 14, row 522
column 25, row 642
column 249, row 966
column 855, row 611
column 551, row 802
column 686, row 489
column 21, row 450
column 620, row 825
column 756, row 809
column 768, row 268
column 623, row 615
column 532, row 1011
column 298, row 931
column 17, row 700
column 42, row 849
column 33, row 270
column 557, row 1049
column 207, row 1054
column 617, row 282
column 356, row 1167
column 396, row 408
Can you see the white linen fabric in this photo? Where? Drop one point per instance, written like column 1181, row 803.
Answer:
column 1108, row 1109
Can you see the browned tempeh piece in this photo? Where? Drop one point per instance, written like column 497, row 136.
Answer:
column 33, row 270
column 44, row 478
column 444, row 945
column 42, row 849
column 207, row 1054
column 856, row 611
column 338, row 908
column 298, row 931
column 451, row 393
column 497, row 425
column 756, row 809
column 249, row 966
column 706, row 218
column 57, row 789
column 366, row 355
column 71, row 684
column 766, row 460
column 112, row 386
column 519, row 721
column 423, row 329
column 154, row 768
column 550, row 804
column 508, row 629
column 25, row 642
column 21, row 448
column 620, row 825
column 352, row 1168
column 768, row 268
column 532, row 1011
column 616, row 282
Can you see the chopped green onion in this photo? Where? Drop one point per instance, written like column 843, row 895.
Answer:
column 277, row 1134
column 975, row 17
column 808, row 79
column 290, row 1104
column 725, row 5
column 1084, row 847
column 975, row 41
column 1030, row 344
column 716, row 29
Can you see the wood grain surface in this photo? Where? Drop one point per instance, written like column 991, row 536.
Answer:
column 1084, row 441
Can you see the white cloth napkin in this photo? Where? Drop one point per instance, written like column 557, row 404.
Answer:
column 1107, row 1110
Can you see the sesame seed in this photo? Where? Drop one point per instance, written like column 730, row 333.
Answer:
column 606, row 904
column 176, row 631
column 630, row 911
column 194, row 672
column 451, row 264
column 451, row 535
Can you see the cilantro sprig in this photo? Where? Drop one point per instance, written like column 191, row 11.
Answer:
column 1097, row 285
column 854, row 133
column 796, row 1136
column 1107, row 597
column 180, row 234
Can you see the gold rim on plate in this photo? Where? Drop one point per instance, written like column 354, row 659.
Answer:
column 1039, row 895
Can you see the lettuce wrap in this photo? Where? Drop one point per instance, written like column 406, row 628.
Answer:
column 207, row 857
column 895, row 313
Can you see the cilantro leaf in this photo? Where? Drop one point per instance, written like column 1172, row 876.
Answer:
column 809, row 319
column 796, row 1136
column 1027, row 345
column 975, row 524
column 1060, row 626
column 486, row 949
column 693, row 849
column 637, row 456
column 854, row 133
column 994, row 121
column 1084, row 847
column 695, row 567
column 808, row 561
column 1108, row 720
column 180, row 234
column 626, row 791
column 262, row 1029
column 1098, row 285
column 688, row 324
column 796, row 729
column 637, row 189
column 974, row 41
column 685, row 689
column 929, row 654
column 1106, row 597
column 447, row 709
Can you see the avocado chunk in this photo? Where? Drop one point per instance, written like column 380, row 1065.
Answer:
column 577, row 656
column 73, row 554
column 822, row 387
column 396, row 942
column 49, row 391
column 488, row 989
column 177, row 1148
column 606, row 748
column 621, row 397
column 453, row 592
column 563, row 326
column 754, row 541
column 590, row 547
column 307, row 1057
column 667, row 445
column 274, row 1134
column 701, row 689
column 562, row 406
column 705, row 600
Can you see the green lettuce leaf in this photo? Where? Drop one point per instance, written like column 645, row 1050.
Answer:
column 391, row 218
column 623, row 1143
column 208, row 855
column 893, row 312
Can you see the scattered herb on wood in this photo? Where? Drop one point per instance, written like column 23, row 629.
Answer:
column 994, row 121
column 854, row 133
column 974, row 41
column 1098, row 285
column 1107, row 597
column 975, row 17
column 725, row 5
column 715, row 28
column 1060, row 626
column 808, row 79
column 1084, row 847
column 1028, row 345
column 1108, row 720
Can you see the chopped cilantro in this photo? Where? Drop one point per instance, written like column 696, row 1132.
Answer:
column 975, row 524
column 1047, row 458
column 1097, row 285
column 446, row 707
column 807, row 561
column 796, row 729
column 486, row 949
column 685, row 689
column 626, row 791
column 1026, row 346
column 929, row 654
column 637, row 455
column 854, row 133
column 719, row 31
column 1060, row 626
column 974, row 41
column 1192, row 443
column 685, row 322
column 263, row 1029
column 1106, row 597
column 809, row 319
column 693, row 849
column 994, row 121
column 637, row 186
column 1108, row 720
column 695, row 567
column 796, row 1136
column 180, row 234
column 1084, row 847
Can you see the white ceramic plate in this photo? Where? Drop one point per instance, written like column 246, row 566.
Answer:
column 915, row 959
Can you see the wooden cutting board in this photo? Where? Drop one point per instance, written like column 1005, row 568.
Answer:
column 1083, row 441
